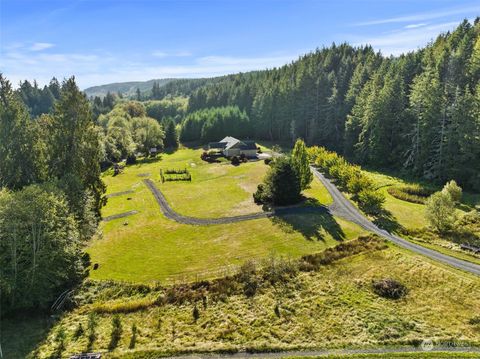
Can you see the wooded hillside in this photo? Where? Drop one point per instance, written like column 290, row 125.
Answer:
column 419, row 112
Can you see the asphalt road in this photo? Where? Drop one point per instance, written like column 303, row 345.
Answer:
column 344, row 208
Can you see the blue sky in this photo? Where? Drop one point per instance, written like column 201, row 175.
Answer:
column 103, row 41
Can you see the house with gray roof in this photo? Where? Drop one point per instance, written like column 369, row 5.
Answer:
column 231, row 146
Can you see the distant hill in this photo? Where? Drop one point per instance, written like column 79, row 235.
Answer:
column 125, row 88
column 174, row 87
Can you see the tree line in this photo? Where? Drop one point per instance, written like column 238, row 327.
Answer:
column 418, row 113
column 50, row 195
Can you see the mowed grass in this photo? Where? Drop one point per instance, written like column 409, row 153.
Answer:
column 412, row 215
column 334, row 307
column 149, row 247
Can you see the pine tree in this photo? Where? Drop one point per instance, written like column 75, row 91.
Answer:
column 171, row 138
column 75, row 149
column 20, row 157
column 301, row 164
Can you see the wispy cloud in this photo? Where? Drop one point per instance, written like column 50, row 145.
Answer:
column 404, row 40
column 163, row 54
column 414, row 26
column 19, row 63
column 40, row 46
column 467, row 11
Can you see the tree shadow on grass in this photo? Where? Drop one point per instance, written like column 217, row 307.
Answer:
column 387, row 221
column 22, row 334
column 312, row 223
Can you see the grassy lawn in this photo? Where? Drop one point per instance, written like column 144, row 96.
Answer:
column 154, row 248
column 333, row 307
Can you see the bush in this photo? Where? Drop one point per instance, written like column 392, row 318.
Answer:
column 371, row 202
column 411, row 193
column 267, row 161
column 440, row 211
column 389, row 288
column 453, row 190
column 262, row 195
column 247, row 275
column 131, row 159
column 235, row 161
column 195, row 313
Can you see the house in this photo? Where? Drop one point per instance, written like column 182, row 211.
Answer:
column 231, row 146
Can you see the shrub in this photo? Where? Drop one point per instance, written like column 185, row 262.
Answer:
column 267, row 161
column 247, row 275
column 279, row 270
column 389, row 288
column 262, row 195
column 357, row 183
column 116, row 333
column 195, row 313
column 235, row 161
column 131, row 159
column 411, row 193
column 122, row 306
column 455, row 191
column 440, row 211
column 371, row 202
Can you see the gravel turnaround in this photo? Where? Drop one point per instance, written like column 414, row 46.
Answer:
column 344, row 208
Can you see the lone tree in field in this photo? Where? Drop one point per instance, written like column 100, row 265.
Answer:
column 281, row 185
column 301, row 164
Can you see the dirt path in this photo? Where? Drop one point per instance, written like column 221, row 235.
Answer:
column 344, row 208
column 170, row 213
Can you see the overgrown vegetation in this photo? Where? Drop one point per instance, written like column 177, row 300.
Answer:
column 294, row 307
column 389, row 288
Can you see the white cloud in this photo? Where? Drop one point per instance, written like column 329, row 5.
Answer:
column 414, row 26
column 404, row 40
column 40, row 46
column 467, row 11
column 99, row 68
column 163, row 54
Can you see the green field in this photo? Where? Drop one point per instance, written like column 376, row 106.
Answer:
column 154, row 248
column 333, row 307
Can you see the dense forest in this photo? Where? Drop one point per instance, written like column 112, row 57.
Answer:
column 419, row 112
column 50, row 191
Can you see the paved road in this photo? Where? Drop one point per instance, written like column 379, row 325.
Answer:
column 170, row 213
column 344, row 208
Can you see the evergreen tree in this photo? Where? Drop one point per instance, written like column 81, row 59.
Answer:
column 75, row 149
column 300, row 162
column 171, row 138
column 21, row 160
